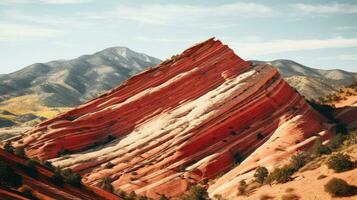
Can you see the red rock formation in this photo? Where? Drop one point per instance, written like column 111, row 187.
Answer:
column 182, row 122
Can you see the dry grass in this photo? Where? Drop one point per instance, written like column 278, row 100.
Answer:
column 30, row 104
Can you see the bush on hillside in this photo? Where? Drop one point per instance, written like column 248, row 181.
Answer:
column 8, row 147
column 340, row 188
column 281, row 175
column 299, row 160
column 196, row 193
column 261, row 174
column 319, row 149
column 340, row 162
column 74, row 179
column 106, row 184
column 337, row 141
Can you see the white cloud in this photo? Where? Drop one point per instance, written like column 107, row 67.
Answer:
column 16, row 32
column 277, row 46
column 169, row 14
column 332, row 8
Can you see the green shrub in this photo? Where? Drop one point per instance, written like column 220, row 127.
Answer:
column 26, row 191
column 281, row 175
column 67, row 172
column 132, row 196
column 107, row 184
column 340, row 162
column 57, row 178
column 261, row 174
column 74, row 180
column 8, row 147
column 64, row 152
column 237, row 158
column 48, row 165
column 341, row 128
column 110, row 138
column 337, row 141
column 338, row 187
column 8, row 178
column 196, row 193
column 242, row 187
column 109, row 165
column 319, row 149
column 299, row 160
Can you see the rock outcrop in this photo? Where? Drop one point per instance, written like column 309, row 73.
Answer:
column 190, row 119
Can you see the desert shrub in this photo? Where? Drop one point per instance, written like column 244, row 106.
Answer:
column 121, row 193
column 8, row 147
column 338, row 187
column 163, row 197
column 299, row 160
column 265, row 197
column 48, row 165
column 8, row 178
column 20, row 151
column 64, row 152
column 242, row 187
column 67, row 172
column 237, row 158
column 290, row 197
column 132, row 196
column 196, row 192
column 352, row 138
column 281, row 175
column 109, row 165
column 74, row 179
column 143, row 198
column 107, row 184
column 261, row 174
column 337, row 141
column 340, row 162
column 57, row 178
column 319, row 149
column 110, row 138
column 260, row 136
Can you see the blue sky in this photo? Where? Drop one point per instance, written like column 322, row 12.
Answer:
column 320, row 33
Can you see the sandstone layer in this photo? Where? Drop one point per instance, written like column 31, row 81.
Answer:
column 188, row 120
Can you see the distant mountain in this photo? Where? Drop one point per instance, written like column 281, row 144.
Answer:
column 312, row 83
column 72, row 82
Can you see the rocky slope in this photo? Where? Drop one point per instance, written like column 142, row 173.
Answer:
column 312, row 83
column 41, row 185
column 188, row 120
column 71, row 82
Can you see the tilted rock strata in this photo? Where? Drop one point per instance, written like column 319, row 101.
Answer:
column 180, row 123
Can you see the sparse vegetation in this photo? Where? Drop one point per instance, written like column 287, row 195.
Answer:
column 74, row 179
column 319, row 149
column 337, row 142
column 237, row 158
column 107, row 184
column 242, row 187
column 299, row 160
column 57, row 178
column 8, row 147
column 340, row 162
column 338, row 187
column 261, row 174
column 196, row 192
column 27, row 191
column 109, row 165
column 64, row 152
column 281, row 175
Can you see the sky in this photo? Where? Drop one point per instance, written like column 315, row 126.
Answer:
column 316, row 33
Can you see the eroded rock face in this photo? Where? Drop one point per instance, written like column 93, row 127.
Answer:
column 185, row 121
